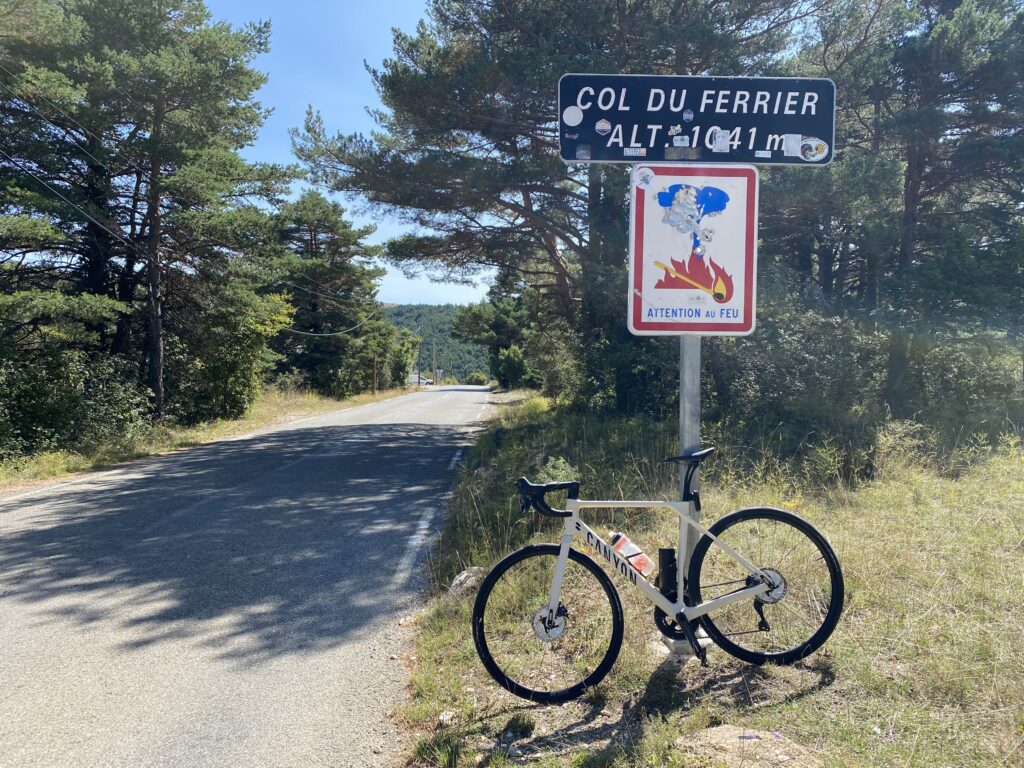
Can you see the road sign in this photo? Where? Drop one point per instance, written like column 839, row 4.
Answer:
column 650, row 119
column 692, row 250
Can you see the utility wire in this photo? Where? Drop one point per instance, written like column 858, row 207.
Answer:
column 81, row 210
column 332, row 297
column 144, row 255
column 130, row 162
column 116, row 152
column 336, row 333
column 60, row 127
column 15, row 77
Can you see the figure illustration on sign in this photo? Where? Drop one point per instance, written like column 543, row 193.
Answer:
column 686, row 206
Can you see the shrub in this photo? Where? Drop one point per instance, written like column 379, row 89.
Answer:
column 477, row 378
column 512, row 368
column 64, row 400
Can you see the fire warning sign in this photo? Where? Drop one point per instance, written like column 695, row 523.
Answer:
column 693, row 250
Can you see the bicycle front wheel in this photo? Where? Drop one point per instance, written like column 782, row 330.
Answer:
column 801, row 610
column 547, row 662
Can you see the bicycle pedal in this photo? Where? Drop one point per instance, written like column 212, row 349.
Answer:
column 691, row 636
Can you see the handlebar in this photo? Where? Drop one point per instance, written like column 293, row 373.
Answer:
column 532, row 495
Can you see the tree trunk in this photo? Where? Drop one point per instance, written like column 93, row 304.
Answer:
column 842, row 269
column 872, row 267
column 897, row 383
column 590, row 269
column 155, row 300
column 99, row 247
column 897, row 390
column 826, row 270
column 911, row 201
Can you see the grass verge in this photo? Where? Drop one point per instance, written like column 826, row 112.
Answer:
column 925, row 669
column 272, row 407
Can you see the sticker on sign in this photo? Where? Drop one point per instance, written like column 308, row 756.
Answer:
column 693, row 250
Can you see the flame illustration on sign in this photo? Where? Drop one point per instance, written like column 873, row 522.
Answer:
column 686, row 206
column 717, row 282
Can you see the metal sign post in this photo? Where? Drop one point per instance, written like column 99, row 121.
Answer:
column 689, row 426
column 693, row 272
column 693, row 225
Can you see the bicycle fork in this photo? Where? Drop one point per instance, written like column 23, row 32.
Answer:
column 556, row 583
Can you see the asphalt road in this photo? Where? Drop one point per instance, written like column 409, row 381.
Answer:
column 235, row 604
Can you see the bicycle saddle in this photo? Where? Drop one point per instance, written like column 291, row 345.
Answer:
column 691, row 458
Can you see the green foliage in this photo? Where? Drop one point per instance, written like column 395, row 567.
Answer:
column 336, row 343
column 477, row 378
column 903, row 252
column 803, row 377
column 68, row 401
column 215, row 371
column 891, row 280
column 469, row 100
column 512, row 367
column 134, row 235
column 434, row 324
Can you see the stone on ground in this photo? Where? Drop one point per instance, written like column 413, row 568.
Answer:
column 729, row 746
column 466, row 582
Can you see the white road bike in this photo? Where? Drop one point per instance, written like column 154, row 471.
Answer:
column 548, row 622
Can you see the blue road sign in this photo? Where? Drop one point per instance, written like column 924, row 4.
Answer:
column 654, row 118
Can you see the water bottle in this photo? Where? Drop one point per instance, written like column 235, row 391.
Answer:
column 636, row 557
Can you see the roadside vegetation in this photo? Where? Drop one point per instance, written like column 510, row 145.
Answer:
column 275, row 405
column 925, row 669
column 150, row 275
column 432, row 324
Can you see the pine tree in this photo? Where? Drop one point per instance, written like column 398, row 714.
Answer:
column 468, row 151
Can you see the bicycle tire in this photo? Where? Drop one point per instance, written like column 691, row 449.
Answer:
column 521, row 593
column 721, row 626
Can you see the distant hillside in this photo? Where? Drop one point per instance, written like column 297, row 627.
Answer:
column 433, row 323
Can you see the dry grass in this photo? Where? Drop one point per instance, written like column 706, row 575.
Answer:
column 272, row 407
column 925, row 669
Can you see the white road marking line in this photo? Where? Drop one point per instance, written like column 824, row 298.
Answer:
column 455, row 460
column 416, row 541
column 421, row 535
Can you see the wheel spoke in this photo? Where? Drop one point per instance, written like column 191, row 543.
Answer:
column 546, row 660
column 798, row 608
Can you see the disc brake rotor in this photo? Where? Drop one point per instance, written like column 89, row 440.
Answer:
column 777, row 589
column 549, row 632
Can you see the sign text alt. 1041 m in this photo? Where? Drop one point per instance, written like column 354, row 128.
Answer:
column 652, row 118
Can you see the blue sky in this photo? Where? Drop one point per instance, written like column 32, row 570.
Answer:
column 316, row 57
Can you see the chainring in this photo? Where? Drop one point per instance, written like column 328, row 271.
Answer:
column 667, row 626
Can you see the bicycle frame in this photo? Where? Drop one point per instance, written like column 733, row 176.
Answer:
column 574, row 527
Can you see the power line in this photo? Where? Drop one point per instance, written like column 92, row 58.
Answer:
column 55, row 106
column 81, row 210
column 336, row 333
column 329, row 296
column 116, row 152
column 66, row 131
column 144, row 255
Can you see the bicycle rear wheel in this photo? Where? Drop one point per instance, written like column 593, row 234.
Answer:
column 794, row 618
column 547, row 664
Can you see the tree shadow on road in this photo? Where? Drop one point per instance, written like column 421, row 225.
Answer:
column 286, row 542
